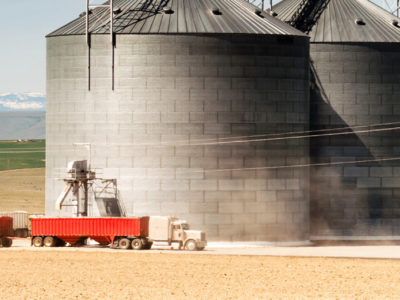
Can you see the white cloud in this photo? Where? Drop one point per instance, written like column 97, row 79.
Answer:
column 23, row 96
column 21, row 105
column 35, row 95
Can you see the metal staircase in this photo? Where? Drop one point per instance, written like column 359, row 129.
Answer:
column 307, row 14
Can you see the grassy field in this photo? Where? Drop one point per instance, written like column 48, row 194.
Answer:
column 22, row 190
column 22, row 155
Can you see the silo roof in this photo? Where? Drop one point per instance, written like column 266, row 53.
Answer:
column 189, row 16
column 337, row 22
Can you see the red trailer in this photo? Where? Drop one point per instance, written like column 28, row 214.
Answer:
column 6, row 230
column 119, row 232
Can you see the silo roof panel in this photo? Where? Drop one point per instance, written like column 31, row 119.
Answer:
column 189, row 16
column 337, row 22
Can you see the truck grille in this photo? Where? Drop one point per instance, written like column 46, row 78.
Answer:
column 203, row 236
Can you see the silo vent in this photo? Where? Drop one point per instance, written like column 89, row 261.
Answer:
column 395, row 23
column 258, row 12
column 216, row 11
column 84, row 13
column 168, row 10
column 273, row 13
column 359, row 21
column 117, row 11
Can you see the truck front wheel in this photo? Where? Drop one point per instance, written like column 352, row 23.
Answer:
column 191, row 245
column 37, row 241
column 137, row 244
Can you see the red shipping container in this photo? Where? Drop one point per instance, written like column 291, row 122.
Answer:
column 6, row 226
column 102, row 230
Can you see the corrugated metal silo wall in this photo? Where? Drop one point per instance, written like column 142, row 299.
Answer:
column 172, row 89
column 356, row 84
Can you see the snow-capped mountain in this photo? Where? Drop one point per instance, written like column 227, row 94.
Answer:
column 22, row 102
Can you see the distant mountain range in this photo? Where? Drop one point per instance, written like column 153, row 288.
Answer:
column 22, row 102
column 22, row 116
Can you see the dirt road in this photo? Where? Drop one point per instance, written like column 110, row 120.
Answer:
column 100, row 275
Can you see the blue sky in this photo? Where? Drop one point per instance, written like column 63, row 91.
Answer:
column 23, row 26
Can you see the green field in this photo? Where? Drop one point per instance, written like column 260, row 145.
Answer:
column 22, row 154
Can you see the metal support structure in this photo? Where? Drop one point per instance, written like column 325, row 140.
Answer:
column 393, row 6
column 86, row 197
column 90, row 10
column 307, row 14
column 81, row 182
column 112, row 42
column 259, row 3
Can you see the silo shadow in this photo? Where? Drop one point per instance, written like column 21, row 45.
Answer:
column 346, row 199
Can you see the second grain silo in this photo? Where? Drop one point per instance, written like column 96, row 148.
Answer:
column 355, row 53
column 182, row 76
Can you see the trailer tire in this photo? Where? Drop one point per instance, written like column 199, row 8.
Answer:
column 6, row 242
column 124, row 243
column 191, row 245
column 37, row 241
column 137, row 244
column 49, row 241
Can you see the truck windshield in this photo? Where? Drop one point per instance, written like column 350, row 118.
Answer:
column 185, row 226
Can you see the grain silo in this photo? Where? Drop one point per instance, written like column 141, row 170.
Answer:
column 355, row 54
column 181, row 76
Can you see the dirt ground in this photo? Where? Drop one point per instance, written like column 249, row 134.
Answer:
column 99, row 275
column 22, row 190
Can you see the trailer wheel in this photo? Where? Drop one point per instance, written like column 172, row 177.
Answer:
column 49, row 241
column 124, row 243
column 137, row 244
column 6, row 242
column 37, row 241
column 191, row 245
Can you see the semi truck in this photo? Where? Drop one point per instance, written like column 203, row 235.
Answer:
column 6, row 231
column 20, row 222
column 122, row 233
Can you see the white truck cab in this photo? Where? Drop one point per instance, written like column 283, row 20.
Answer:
column 175, row 230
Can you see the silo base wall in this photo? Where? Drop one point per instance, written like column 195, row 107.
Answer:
column 175, row 90
column 355, row 85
